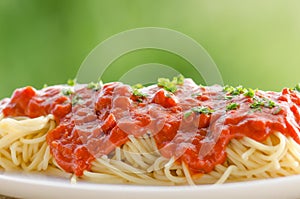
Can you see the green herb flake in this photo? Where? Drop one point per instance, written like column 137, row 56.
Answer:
column 228, row 97
column 256, row 104
column 170, row 86
column 239, row 90
column 67, row 92
column 140, row 100
column 71, row 82
column 137, row 86
column 232, row 106
column 167, row 85
column 297, row 88
column 262, row 102
column 94, row 86
column 179, row 80
column 202, row 109
column 187, row 114
column 45, row 85
column 137, row 93
column 198, row 110
column 270, row 104
column 250, row 93
column 228, row 88
column 254, row 110
column 76, row 100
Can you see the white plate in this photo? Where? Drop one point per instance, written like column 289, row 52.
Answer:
column 42, row 187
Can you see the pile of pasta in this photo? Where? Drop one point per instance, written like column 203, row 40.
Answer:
column 23, row 147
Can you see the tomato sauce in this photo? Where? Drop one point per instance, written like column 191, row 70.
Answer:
column 193, row 124
column 29, row 102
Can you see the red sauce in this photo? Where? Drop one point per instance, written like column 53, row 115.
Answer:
column 102, row 120
column 29, row 102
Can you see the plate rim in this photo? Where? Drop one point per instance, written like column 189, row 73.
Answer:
column 49, row 183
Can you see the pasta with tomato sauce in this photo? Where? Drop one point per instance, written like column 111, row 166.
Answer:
column 174, row 132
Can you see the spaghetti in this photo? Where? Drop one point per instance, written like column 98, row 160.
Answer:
column 152, row 135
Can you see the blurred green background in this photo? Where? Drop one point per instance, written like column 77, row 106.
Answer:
column 254, row 43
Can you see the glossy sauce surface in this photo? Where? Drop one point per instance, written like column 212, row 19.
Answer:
column 194, row 124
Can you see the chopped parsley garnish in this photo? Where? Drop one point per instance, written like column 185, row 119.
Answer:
column 228, row 97
column 199, row 110
column 178, row 80
column 167, row 85
column 138, row 93
column 71, row 82
column 262, row 102
column 137, row 86
column 228, row 88
column 235, row 90
column 232, row 106
column 297, row 88
column 76, row 100
column 239, row 90
column 270, row 104
column 170, row 86
column 187, row 114
column 202, row 109
column 94, row 86
column 67, row 92
column 250, row 93
column 256, row 104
